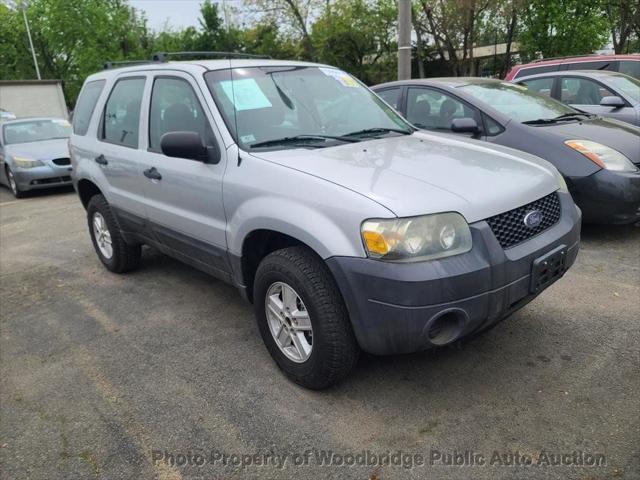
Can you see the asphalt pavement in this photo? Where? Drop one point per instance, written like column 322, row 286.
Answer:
column 161, row 373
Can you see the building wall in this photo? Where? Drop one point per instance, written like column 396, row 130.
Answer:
column 33, row 98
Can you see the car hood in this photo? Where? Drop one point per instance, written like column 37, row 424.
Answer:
column 428, row 173
column 618, row 135
column 45, row 150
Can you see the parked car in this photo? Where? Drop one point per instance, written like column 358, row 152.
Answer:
column 294, row 182
column 608, row 94
column 5, row 115
column 598, row 157
column 34, row 154
column 627, row 64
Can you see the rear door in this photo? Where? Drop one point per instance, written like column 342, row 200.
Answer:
column 116, row 151
column 184, row 200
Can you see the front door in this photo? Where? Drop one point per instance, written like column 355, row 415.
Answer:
column 183, row 197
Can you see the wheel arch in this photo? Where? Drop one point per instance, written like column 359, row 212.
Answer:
column 86, row 190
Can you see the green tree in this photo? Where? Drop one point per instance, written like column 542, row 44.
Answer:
column 554, row 28
column 360, row 37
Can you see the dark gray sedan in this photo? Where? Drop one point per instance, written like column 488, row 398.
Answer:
column 599, row 158
column 609, row 94
column 34, row 154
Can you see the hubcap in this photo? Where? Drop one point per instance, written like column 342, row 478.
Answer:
column 102, row 235
column 289, row 322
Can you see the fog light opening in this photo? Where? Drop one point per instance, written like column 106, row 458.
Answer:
column 446, row 327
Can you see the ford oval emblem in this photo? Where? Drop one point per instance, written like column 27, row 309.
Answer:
column 533, row 218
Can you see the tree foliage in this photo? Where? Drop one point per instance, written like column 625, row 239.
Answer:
column 72, row 38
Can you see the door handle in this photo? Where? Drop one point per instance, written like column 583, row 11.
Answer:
column 100, row 160
column 152, row 173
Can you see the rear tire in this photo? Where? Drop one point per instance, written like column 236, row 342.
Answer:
column 13, row 184
column 333, row 348
column 114, row 253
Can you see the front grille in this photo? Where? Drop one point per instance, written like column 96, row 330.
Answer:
column 510, row 229
column 62, row 161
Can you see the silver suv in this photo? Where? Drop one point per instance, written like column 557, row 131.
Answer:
column 345, row 227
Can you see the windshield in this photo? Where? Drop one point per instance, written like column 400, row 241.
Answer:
column 261, row 105
column 36, row 130
column 627, row 85
column 517, row 102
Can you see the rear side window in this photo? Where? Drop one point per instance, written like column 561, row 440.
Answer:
column 85, row 106
column 391, row 96
column 630, row 67
column 121, row 118
column 523, row 72
column 175, row 107
column 596, row 65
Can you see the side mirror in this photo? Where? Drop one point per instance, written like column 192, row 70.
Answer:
column 188, row 145
column 465, row 125
column 613, row 102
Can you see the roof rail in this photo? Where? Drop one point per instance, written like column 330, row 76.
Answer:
column 164, row 56
column 108, row 65
column 571, row 56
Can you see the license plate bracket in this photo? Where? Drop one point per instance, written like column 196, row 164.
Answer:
column 548, row 268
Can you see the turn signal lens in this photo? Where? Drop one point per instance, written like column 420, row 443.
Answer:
column 375, row 242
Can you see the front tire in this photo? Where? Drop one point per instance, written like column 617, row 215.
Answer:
column 114, row 253
column 302, row 318
column 13, row 184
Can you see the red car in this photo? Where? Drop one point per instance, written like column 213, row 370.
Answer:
column 627, row 64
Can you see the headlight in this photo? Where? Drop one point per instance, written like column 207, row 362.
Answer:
column 601, row 155
column 416, row 239
column 22, row 162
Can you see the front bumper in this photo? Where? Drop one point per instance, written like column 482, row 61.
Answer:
column 608, row 197
column 393, row 306
column 46, row 176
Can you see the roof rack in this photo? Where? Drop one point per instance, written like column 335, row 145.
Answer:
column 164, row 56
column 108, row 65
column 570, row 56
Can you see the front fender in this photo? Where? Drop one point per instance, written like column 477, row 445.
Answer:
column 308, row 225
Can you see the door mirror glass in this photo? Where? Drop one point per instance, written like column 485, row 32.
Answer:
column 464, row 125
column 188, row 145
column 612, row 101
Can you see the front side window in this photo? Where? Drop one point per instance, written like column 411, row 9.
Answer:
column 85, row 106
column 273, row 104
column 36, row 131
column 517, row 102
column 435, row 110
column 542, row 86
column 121, row 119
column 582, row 91
column 175, row 107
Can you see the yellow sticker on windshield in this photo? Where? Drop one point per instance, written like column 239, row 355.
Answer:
column 342, row 77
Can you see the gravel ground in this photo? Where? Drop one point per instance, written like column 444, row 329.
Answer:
column 146, row 375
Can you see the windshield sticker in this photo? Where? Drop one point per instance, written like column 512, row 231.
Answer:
column 247, row 92
column 342, row 77
column 247, row 138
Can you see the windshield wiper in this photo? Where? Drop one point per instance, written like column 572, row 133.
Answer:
column 377, row 130
column 308, row 140
column 564, row 117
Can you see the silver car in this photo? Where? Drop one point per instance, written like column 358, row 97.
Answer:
column 608, row 94
column 34, row 154
column 345, row 227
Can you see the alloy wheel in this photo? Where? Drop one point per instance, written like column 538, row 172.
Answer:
column 289, row 322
